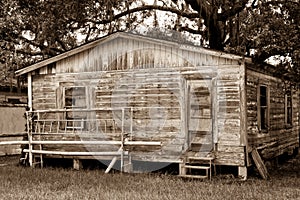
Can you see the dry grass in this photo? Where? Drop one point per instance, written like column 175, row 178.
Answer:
column 60, row 183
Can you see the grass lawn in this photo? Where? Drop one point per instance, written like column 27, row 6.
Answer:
column 64, row 183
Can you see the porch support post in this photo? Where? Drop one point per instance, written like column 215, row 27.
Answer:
column 243, row 173
column 29, row 93
column 77, row 164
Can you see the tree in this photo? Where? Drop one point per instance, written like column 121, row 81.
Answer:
column 272, row 29
column 32, row 30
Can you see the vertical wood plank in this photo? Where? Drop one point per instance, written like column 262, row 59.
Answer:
column 243, row 106
column 258, row 106
column 77, row 164
column 60, row 97
column 268, row 104
column 29, row 92
column 243, row 117
column 184, row 111
column 215, row 109
column 242, row 172
column 260, row 164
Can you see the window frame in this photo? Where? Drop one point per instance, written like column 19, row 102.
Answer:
column 78, row 125
column 288, row 108
column 65, row 96
column 263, row 123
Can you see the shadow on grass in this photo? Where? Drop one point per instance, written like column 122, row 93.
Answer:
column 287, row 167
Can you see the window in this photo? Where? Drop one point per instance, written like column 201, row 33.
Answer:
column 288, row 108
column 75, row 97
column 263, row 108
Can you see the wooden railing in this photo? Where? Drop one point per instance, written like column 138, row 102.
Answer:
column 54, row 123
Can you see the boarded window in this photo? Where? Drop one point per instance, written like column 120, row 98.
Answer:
column 288, row 108
column 75, row 97
column 263, row 108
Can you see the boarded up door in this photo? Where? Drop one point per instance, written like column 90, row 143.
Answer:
column 200, row 115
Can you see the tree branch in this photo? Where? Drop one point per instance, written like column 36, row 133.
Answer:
column 264, row 55
column 62, row 44
column 31, row 42
column 189, row 15
column 21, row 51
column 238, row 7
column 199, row 6
column 190, row 30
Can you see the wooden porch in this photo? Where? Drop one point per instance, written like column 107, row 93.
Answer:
column 53, row 134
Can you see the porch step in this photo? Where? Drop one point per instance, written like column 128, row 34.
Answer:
column 198, row 147
column 196, row 162
column 193, row 176
column 196, row 167
column 37, row 160
column 36, row 163
column 200, row 158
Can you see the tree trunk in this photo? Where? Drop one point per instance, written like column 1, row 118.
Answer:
column 215, row 32
column 19, row 89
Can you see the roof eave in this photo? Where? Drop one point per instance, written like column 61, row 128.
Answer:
column 63, row 55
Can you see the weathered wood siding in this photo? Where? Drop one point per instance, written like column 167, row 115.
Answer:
column 229, row 122
column 44, row 92
column 280, row 137
column 155, row 100
column 11, row 149
column 125, row 54
column 152, row 77
column 12, row 127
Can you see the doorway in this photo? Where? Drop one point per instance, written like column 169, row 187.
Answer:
column 200, row 115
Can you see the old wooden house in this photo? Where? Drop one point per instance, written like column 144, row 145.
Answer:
column 133, row 98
